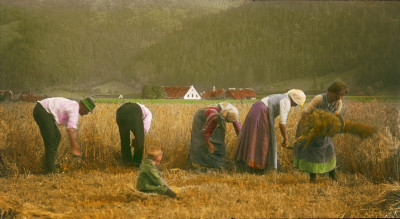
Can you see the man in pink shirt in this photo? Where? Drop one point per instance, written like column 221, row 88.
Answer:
column 135, row 118
column 52, row 111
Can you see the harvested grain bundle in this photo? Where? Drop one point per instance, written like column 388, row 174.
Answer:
column 321, row 123
column 360, row 129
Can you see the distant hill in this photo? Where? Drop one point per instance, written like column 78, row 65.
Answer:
column 46, row 43
column 77, row 45
column 266, row 43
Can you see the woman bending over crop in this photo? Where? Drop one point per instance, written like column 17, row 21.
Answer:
column 257, row 144
column 318, row 156
column 207, row 145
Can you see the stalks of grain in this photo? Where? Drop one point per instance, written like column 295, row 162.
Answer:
column 22, row 148
column 360, row 129
column 322, row 123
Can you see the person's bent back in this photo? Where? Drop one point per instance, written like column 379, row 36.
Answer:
column 52, row 111
column 135, row 118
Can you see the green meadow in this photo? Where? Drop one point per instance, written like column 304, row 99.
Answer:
column 394, row 99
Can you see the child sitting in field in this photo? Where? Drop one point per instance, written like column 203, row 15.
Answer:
column 149, row 180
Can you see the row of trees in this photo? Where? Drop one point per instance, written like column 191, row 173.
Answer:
column 153, row 92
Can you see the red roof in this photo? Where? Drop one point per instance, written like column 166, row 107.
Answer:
column 177, row 92
column 214, row 94
column 241, row 93
column 5, row 91
column 30, row 97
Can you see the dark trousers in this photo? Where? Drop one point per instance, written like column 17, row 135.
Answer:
column 50, row 134
column 130, row 119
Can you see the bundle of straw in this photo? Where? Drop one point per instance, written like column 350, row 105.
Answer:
column 322, row 123
column 360, row 129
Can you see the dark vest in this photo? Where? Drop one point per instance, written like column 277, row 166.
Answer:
column 326, row 106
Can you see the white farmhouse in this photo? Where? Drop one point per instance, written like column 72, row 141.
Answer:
column 181, row 92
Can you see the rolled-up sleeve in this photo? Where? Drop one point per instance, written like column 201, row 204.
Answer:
column 237, row 126
column 339, row 107
column 317, row 100
column 73, row 116
column 210, row 126
column 284, row 108
column 147, row 117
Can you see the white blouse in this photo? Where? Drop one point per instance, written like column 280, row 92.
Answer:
column 284, row 107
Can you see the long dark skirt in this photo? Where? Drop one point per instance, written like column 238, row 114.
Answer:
column 198, row 151
column 254, row 139
column 317, row 157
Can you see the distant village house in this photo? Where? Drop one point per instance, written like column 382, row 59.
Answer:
column 214, row 94
column 181, row 92
column 30, row 97
column 232, row 93
column 241, row 94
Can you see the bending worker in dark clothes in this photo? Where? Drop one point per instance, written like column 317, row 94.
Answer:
column 135, row 118
column 62, row 111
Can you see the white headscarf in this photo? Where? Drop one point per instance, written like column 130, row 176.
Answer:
column 297, row 96
column 229, row 112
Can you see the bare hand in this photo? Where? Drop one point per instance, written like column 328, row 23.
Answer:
column 211, row 148
column 76, row 152
column 72, row 133
column 285, row 143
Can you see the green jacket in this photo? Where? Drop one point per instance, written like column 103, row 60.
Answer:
column 149, row 180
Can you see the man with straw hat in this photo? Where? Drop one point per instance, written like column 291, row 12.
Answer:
column 52, row 111
column 257, row 143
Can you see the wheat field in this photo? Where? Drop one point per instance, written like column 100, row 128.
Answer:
column 100, row 187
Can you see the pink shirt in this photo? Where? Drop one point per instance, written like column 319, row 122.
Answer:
column 147, row 116
column 65, row 111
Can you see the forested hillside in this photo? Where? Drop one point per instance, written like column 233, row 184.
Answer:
column 266, row 42
column 79, row 44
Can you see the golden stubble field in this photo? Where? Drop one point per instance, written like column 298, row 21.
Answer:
column 368, row 177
